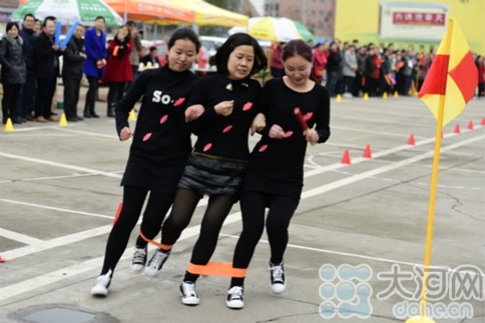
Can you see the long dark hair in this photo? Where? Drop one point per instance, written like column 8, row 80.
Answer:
column 298, row 47
column 239, row 39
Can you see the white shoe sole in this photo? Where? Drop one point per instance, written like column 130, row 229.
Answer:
column 99, row 291
column 237, row 305
column 137, row 268
column 190, row 301
column 150, row 272
column 278, row 288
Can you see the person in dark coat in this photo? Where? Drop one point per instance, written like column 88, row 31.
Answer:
column 13, row 71
column 25, row 106
column 151, row 58
column 46, row 60
column 72, row 72
column 333, row 68
column 95, row 45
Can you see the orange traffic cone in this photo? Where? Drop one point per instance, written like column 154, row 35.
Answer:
column 2, row 259
column 367, row 153
column 346, row 157
column 470, row 125
column 411, row 140
column 483, row 121
column 457, row 129
column 118, row 211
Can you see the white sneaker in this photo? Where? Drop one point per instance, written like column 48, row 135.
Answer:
column 155, row 264
column 278, row 281
column 102, row 284
column 234, row 298
column 139, row 259
column 189, row 296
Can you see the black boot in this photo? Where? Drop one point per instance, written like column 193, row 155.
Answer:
column 87, row 114
column 93, row 113
column 111, row 113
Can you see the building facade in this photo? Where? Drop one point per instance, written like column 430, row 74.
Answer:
column 317, row 15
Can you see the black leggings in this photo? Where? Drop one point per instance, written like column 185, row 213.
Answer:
column 253, row 204
column 115, row 94
column 183, row 208
column 133, row 200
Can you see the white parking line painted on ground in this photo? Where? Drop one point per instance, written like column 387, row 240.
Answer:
column 47, row 279
column 57, row 209
column 60, row 165
column 18, row 237
column 375, row 155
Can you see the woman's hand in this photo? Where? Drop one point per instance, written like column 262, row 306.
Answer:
column 193, row 112
column 126, row 133
column 276, row 132
column 224, row 108
column 312, row 136
column 259, row 122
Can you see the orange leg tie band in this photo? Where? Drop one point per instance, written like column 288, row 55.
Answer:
column 162, row 246
column 217, row 269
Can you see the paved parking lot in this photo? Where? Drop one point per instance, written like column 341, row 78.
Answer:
column 356, row 225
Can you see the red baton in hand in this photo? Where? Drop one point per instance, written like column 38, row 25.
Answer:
column 301, row 121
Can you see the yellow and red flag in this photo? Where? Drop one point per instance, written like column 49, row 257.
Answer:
column 453, row 75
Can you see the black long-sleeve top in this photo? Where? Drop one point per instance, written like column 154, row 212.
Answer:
column 276, row 165
column 161, row 142
column 224, row 136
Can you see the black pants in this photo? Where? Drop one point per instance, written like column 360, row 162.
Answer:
column 133, row 200
column 253, row 204
column 10, row 99
column 71, row 96
column 183, row 208
column 91, row 94
column 43, row 98
column 115, row 93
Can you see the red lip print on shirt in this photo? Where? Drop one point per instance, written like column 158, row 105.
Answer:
column 207, row 147
column 178, row 102
column 288, row 134
column 247, row 106
column 163, row 119
column 308, row 116
column 262, row 148
column 147, row 136
column 227, row 129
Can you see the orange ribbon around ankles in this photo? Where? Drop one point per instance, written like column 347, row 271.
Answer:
column 162, row 246
column 217, row 269
column 211, row 269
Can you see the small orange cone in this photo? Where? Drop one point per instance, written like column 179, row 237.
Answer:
column 457, row 129
column 367, row 153
column 470, row 125
column 411, row 141
column 338, row 98
column 483, row 121
column 2, row 259
column 118, row 211
column 346, row 157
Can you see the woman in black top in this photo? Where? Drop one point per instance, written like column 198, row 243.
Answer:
column 274, row 178
column 158, row 152
column 220, row 155
column 13, row 71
